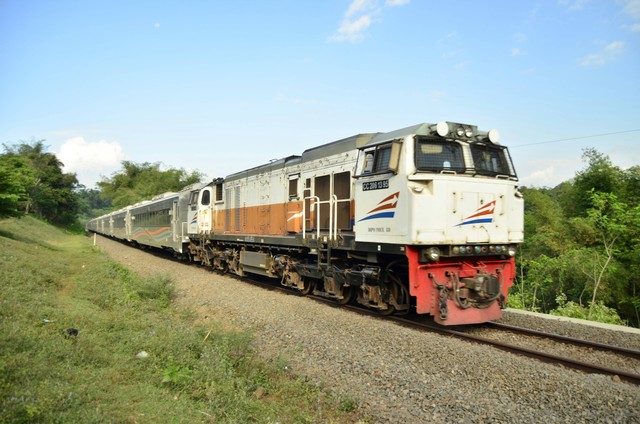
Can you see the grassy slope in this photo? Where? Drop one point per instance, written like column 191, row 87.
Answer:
column 190, row 375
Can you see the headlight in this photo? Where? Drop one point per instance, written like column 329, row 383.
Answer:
column 460, row 131
column 468, row 132
column 511, row 251
column 494, row 136
column 432, row 254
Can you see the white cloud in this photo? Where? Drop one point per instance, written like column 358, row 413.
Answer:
column 352, row 30
column 393, row 3
column 461, row 65
column 90, row 160
column 609, row 53
column 574, row 5
column 358, row 6
column 632, row 8
column 516, row 52
column 359, row 16
column 540, row 178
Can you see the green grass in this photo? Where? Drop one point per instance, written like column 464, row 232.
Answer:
column 51, row 280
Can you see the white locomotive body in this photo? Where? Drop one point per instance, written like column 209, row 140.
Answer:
column 425, row 217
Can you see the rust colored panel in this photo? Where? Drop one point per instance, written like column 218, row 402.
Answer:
column 257, row 220
column 294, row 217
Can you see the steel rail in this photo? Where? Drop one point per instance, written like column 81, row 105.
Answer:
column 542, row 356
column 545, row 357
column 631, row 353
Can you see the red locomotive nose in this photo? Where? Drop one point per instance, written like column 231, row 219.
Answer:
column 457, row 291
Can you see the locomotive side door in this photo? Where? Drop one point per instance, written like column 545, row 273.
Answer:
column 192, row 213
column 294, row 205
column 205, row 210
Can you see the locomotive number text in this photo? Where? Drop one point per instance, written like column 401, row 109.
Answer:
column 375, row 185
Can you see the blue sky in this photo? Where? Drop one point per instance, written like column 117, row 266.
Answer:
column 223, row 86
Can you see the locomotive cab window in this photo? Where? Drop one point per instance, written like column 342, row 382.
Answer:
column 193, row 200
column 380, row 159
column 438, row 156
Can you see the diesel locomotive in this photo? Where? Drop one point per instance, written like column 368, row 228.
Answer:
column 425, row 218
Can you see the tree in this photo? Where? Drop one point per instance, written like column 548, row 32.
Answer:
column 582, row 240
column 91, row 203
column 49, row 191
column 15, row 177
column 600, row 176
column 545, row 230
column 136, row 182
column 611, row 227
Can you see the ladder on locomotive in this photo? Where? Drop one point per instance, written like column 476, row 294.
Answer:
column 330, row 203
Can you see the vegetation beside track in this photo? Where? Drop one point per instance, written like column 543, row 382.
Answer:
column 135, row 358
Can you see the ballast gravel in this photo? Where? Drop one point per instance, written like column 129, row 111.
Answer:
column 396, row 374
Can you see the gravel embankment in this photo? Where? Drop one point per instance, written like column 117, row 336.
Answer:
column 396, row 374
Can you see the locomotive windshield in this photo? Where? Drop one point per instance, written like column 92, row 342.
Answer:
column 437, row 155
column 491, row 160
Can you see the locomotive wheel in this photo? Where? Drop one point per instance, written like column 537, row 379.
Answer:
column 389, row 311
column 308, row 286
column 347, row 293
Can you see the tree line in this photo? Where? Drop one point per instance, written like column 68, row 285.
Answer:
column 32, row 182
column 581, row 253
column 580, row 256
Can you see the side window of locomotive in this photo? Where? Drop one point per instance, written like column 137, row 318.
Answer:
column 383, row 155
column 489, row 160
column 193, row 200
column 379, row 160
column 438, row 156
column 206, row 198
column 219, row 192
column 293, row 186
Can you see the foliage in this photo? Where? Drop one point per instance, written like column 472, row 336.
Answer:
column 136, row 182
column 596, row 312
column 91, row 203
column 40, row 187
column 191, row 373
column 16, row 176
column 582, row 239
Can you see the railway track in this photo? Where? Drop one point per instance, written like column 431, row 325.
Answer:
column 571, row 363
column 567, row 362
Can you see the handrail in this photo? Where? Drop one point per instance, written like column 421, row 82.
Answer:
column 333, row 214
column 333, row 219
column 182, row 230
column 304, row 215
